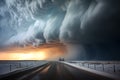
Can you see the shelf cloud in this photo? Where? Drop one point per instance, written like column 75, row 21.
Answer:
column 89, row 23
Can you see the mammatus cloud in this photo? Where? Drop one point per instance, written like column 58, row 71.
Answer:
column 35, row 22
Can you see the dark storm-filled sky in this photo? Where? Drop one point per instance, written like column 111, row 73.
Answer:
column 90, row 29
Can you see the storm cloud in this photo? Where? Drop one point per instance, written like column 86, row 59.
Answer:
column 91, row 24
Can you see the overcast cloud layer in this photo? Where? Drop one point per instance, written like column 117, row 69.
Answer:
column 93, row 24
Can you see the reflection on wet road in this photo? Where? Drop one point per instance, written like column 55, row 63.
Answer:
column 54, row 71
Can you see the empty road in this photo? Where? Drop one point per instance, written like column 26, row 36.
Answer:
column 53, row 71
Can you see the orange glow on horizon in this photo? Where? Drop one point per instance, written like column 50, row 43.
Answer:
column 33, row 53
column 23, row 56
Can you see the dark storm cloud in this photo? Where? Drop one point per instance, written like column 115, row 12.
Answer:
column 101, row 21
column 51, row 32
column 95, row 25
column 38, row 21
column 70, row 29
column 2, row 2
column 85, row 22
column 95, row 21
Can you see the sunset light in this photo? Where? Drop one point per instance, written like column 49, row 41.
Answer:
column 33, row 53
column 23, row 56
column 29, row 56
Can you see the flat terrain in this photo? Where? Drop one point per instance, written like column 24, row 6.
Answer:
column 53, row 71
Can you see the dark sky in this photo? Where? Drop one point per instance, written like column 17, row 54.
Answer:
column 90, row 27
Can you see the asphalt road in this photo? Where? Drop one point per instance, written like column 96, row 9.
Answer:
column 53, row 71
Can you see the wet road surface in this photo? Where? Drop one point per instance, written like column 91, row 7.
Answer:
column 53, row 71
